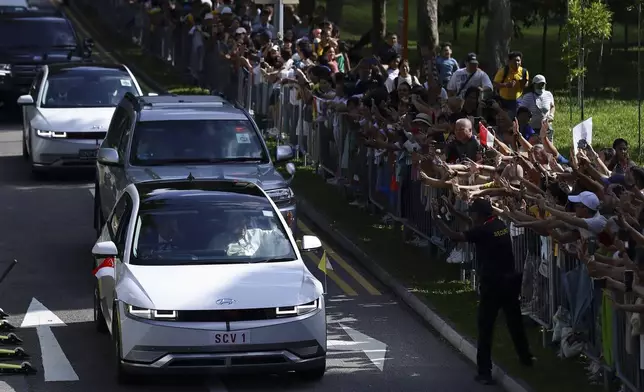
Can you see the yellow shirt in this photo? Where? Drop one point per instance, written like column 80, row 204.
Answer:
column 511, row 93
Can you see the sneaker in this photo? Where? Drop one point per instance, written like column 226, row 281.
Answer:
column 485, row 380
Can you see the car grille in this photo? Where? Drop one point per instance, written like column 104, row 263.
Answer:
column 226, row 315
column 86, row 135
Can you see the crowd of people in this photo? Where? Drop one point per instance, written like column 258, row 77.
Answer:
column 487, row 139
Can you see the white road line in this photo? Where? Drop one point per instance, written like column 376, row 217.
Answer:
column 91, row 190
column 57, row 366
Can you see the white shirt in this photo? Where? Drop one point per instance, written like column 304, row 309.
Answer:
column 539, row 106
column 391, row 85
column 457, row 82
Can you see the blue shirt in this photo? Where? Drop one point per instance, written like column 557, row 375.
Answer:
column 445, row 67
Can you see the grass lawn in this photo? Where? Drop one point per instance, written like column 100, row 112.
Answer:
column 426, row 275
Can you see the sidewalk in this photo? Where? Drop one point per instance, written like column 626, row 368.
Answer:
column 427, row 284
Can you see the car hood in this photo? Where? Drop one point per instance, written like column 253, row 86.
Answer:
column 198, row 287
column 73, row 119
column 263, row 175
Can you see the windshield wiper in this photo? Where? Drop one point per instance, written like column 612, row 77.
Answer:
column 274, row 260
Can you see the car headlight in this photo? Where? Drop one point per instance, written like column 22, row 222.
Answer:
column 151, row 314
column 5, row 67
column 281, row 195
column 51, row 134
column 298, row 310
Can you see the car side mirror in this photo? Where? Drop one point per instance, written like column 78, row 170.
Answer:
column 284, row 153
column 310, row 242
column 26, row 100
column 104, row 249
column 108, row 156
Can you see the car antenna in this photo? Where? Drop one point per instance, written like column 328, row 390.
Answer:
column 191, row 177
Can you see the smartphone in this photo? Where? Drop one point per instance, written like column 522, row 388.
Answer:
column 628, row 280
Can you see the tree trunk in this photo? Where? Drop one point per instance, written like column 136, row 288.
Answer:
column 428, row 40
column 306, row 7
column 479, row 12
column 334, row 11
column 498, row 34
column 544, row 41
column 379, row 22
column 455, row 25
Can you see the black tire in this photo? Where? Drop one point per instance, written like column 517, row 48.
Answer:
column 313, row 374
column 99, row 319
column 123, row 377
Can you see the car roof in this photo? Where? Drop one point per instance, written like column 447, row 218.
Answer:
column 61, row 67
column 188, row 107
column 40, row 16
column 171, row 189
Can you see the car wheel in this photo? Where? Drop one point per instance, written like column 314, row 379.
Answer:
column 99, row 319
column 313, row 374
column 123, row 377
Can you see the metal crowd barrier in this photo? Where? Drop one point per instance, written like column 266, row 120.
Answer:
column 557, row 291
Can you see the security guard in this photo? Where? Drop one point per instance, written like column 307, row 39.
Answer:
column 499, row 283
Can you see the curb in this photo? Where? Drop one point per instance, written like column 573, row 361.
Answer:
column 443, row 327
column 75, row 13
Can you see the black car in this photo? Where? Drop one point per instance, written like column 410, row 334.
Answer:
column 37, row 38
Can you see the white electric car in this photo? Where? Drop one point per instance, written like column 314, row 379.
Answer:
column 68, row 110
column 205, row 275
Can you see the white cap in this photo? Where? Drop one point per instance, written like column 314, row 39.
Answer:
column 226, row 10
column 538, row 79
column 209, row 16
column 588, row 199
column 240, row 30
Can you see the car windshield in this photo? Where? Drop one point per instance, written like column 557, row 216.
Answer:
column 196, row 142
column 36, row 33
column 209, row 228
column 96, row 88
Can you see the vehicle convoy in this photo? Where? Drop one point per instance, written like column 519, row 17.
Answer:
column 174, row 137
column 203, row 275
column 36, row 39
column 67, row 111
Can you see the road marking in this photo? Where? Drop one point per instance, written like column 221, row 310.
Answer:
column 55, row 364
column 373, row 348
column 346, row 266
column 344, row 286
column 91, row 190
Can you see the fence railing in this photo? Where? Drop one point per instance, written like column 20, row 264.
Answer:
column 557, row 290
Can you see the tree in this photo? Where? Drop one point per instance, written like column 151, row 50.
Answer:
column 589, row 23
column 379, row 22
column 498, row 33
column 334, row 11
column 427, row 21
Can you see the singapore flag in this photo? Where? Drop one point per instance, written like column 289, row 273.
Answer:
column 106, row 268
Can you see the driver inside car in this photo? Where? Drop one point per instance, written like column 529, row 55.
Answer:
column 161, row 233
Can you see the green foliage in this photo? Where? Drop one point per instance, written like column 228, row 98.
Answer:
column 189, row 91
column 592, row 20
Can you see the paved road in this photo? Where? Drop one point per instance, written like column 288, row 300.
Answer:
column 375, row 343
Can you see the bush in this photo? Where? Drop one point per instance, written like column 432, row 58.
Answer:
column 189, row 91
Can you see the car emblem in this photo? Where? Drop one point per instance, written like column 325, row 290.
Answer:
column 97, row 127
column 225, row 301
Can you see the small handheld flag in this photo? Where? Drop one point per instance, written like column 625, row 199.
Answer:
column 106, row 268
column 485, row 136
column 324, row 266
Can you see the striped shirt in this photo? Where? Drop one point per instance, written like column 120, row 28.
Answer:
column 539, row 106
